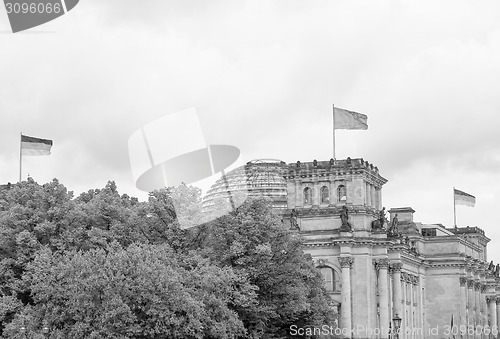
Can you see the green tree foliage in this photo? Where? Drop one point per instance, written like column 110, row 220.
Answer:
column 104, row 265
column 138, row 292
column 255, row 243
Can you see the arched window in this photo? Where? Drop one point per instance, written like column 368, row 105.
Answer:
column 342, row 193
column 307, row 196
column 325, row 195
column 331, row 278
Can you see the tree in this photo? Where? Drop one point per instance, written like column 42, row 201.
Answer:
column 30, row 215
column 104, row 265
column 255, row 243
column 138, row 292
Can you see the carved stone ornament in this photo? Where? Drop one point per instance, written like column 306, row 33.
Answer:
column 483, row 288
column 491, row 299
column 396, row 267
column 470, row 283
column 327, row 211
column 463, row 281
column 381, row 263
column 477, row 285
column 405, row 277
column 346, row 262
column 321, row 262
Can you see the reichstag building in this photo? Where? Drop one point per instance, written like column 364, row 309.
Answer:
column 383, row 269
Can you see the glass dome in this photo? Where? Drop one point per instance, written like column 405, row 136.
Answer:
column 263, row 177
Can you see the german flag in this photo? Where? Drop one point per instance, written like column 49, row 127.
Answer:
column 35, row 146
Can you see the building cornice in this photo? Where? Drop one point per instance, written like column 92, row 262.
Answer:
column 332, row 210
column 335, row 170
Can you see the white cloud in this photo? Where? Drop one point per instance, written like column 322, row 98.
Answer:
column 263, row 76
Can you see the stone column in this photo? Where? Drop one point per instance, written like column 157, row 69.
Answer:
column 396, row 288
column 409, row 302
column 498, row 314
column 477, row 303
column 416, row 308
column 404, row 306
column 368, row 195
column 379, row 199
column 484, row 307
column 492, row 306
column 471, row 305
column 345, row 295
column 463, row 302
column 373, row 198
column 382, row 266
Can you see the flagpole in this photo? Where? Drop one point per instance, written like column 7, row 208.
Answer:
column 334, row 132
column 454, row 209
column 20, row 156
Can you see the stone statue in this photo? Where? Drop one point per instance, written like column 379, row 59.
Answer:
column 497, row 270
column 395, row 221
column 491, row 266
column 381, row 221
column 294, row 225
column 381, row 217
column 344, row 217
column 394, row 225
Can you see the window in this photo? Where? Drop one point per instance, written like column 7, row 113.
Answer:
column 307, row 196
column 330, row 277
column 325, row 195
column 342, row 193
column 429, row 232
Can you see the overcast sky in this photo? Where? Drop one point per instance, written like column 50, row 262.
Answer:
column 263, row 76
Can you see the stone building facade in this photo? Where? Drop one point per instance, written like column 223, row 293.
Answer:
column 436, row 279
column 378, row 266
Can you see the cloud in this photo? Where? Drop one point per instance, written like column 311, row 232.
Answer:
column 263, row 77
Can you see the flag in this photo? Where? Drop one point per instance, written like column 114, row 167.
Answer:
column 462, row 198
column 35, row 146
column 345, row 119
